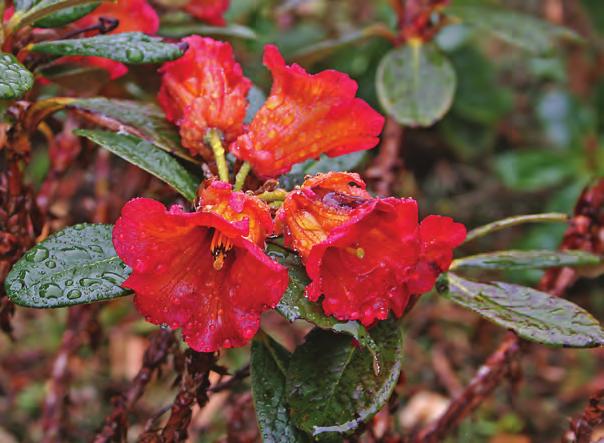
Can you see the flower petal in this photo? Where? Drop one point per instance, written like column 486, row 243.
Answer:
column 210, row 11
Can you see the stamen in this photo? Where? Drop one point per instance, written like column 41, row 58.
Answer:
column 359, row 252
column 219, row 246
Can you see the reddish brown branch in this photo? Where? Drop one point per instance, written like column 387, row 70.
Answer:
column 581, row 428
column 54, row 415
column 116, row 424
column 382, row 171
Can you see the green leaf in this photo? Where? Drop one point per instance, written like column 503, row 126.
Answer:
column 146, row 156
column 525, row 31
column 415, row 84
column 532, row 314
column 29, row 12
column 268, row 367
column 66, row 16
column 15, row 79
column 126, row 47
column 331, row 387
column 295, row 306
column 526, row 260
column 74, row 266
column 144, row 120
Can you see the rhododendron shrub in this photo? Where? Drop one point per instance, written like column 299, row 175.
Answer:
column 238, row 223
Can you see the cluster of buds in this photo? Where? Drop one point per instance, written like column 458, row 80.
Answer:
column 207, row 271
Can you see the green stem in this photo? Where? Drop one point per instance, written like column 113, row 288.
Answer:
column 242, row 175
column 213, row 137
column 550, row 217
column 278, row 195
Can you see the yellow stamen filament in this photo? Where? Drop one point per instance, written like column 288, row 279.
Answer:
column 359, row 252
column 219, row 247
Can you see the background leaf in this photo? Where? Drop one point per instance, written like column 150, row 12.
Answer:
column 144, row 120
column 66, row 16
column 269, row 363
column 526, row 260
column 15, row 79
column 147, row 157
column 126, row 47
column 415, row 84
column 532, row 314
column 74, row 266
column 29, row 12
column 522, row 30
column 331, row 387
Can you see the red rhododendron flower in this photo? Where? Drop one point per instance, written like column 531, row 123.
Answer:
column 210, row 11
column 371, row 254
column 133, row 16
column 204, row 89
column 304, row 116
column 201, row 271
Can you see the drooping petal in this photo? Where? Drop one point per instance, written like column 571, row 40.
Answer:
column 306, row 115
column 176, row 281
column 362, row 267
column 204, row 89
column 209, row 11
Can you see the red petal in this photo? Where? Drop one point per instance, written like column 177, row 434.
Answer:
column 133, row 16
column 175, row 281
column 210, row 11
column 304, row 116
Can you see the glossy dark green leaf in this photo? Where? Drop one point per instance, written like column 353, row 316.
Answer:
column 127, row 47
column 29, row 12
column 146, row 156
column 519, row 29
column 268, row 368
column 415, row 84
column 66, row 16
column 144, row 120
column 15, row 79
column 526, row 260
column 74, row 266
column 295, row 306
column 331, row 387
column 232, row 30
column 532, row 314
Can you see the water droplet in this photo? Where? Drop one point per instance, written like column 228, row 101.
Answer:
column 164, row 326
column 227, row 343
column 112, row 277
column 37, row 254
column 73, row 294
column 86, row 282
column 51, row 264
column 68, row 282
column 135, row 55
column 96, row 248
column 16, row 286
column 79, row 227
column 51, row 290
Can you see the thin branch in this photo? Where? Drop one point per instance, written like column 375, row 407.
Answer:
column 582, row 427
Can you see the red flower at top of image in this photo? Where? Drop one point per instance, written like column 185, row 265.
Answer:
column 306, row 115
column 204, row 89
column 200, row 271
column 370, row 255
column 209, row 11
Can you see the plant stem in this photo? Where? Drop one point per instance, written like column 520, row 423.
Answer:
column 273, row 196
column 550, row 217
column 213, row 137
column 241, row 176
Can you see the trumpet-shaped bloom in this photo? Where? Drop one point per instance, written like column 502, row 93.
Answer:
column 204, row 272
column 365, row 257
column 204, row 89
column 305, row 116
column 209, row 11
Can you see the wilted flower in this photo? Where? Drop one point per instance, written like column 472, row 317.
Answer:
column 204, row 89
column 200, row 271
column 306, row 115
column 366, row 256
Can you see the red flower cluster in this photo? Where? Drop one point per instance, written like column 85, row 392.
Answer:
column 366, row 256
column 200, row 271
column 304, row 116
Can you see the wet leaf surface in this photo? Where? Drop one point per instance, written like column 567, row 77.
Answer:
column 526, row 260
column 15, row 79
